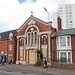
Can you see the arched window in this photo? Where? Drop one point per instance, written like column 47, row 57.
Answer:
column 44, row 39
column 21, row 42
column 35, row 37
column 10, row 36
column 32, row 38
column 28, row 38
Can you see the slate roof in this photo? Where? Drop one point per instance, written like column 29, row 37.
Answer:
column 5, row 35
column 64, row 32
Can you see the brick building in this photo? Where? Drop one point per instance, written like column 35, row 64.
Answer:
column 8, row 45
column 32, row 36
column 21, row 45
column 63, row 44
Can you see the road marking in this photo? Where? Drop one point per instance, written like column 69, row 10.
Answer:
column 54, row 73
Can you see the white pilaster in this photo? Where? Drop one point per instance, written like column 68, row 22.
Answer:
column 39, row 42
column 27, row 38
column 36, row 55
column 24, row 49
column 27, row 56
column 17, row 48
column 67, row 56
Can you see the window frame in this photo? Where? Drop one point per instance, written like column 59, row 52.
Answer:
column 35, row 37
column 63, row 42
column 44, row 40
column 10, row 47
column 22, row 42
column 66, row 41
column 67, row 56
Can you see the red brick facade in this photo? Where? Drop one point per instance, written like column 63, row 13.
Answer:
column 42, row 29
column 33, row 35
column 73, row 48
column 4, row 46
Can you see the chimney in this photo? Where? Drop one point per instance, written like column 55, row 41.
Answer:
column 59, row 23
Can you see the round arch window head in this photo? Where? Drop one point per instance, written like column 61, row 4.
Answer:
column 10, row 36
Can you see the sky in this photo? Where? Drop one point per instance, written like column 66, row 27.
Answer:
column 13, row 13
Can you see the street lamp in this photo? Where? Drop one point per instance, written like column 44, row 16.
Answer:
column 49, row 39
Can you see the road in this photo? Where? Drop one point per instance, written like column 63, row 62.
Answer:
column 14, row 69
column 9, row 71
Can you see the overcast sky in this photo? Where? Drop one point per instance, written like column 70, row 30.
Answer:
column 13, row 13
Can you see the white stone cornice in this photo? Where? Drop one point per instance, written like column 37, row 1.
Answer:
column 46, row 32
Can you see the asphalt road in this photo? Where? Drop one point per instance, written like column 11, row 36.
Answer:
column 9, row 71
column 14, row 69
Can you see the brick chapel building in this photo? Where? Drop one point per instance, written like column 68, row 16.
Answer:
column 21, row 45
column 32, row 36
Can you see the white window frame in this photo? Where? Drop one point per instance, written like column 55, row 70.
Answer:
column 66, row 55
column 36, row 38
column 28, row 39
column 62, row 42
column 66, row 41
column 10, row 47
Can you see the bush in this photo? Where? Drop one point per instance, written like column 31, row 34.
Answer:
column 63, row 60
column 39, row 63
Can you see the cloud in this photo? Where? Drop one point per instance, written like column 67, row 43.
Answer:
column 13, row 14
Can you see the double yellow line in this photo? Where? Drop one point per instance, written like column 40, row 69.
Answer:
column 54, row 73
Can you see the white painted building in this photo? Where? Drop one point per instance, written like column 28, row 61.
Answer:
column 67, row 14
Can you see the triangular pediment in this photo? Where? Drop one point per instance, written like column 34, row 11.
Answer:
column 31, row 21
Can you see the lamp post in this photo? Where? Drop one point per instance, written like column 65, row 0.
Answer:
column 49, row 39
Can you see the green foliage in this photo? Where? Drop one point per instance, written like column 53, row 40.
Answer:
column 19, row 63
column 39, row 63
column 39, row 54
column 40, row 57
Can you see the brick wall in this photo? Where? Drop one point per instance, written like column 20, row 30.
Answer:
column 73, row 48
column 4, row 45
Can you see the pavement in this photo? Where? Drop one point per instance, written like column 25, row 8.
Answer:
column 36, row 70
